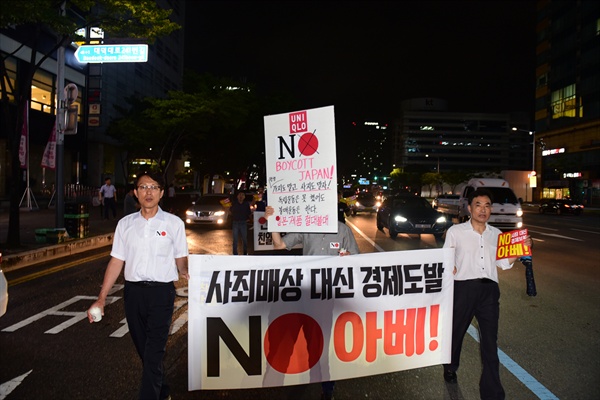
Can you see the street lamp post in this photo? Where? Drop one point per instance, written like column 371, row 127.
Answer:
column 531, row 133
column 532, row 175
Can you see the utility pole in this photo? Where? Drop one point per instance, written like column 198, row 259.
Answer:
column 60, row 131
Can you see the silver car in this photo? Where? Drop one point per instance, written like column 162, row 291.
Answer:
column 210, row 209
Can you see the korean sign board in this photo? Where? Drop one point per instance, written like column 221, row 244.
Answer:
column 290, row 320
column 112, row 53
column 302, row 171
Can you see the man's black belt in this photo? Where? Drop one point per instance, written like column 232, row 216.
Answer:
column 480, row 280
column 149, row 283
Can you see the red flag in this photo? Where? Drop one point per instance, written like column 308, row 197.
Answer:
column 49, row 157
column 24, row 131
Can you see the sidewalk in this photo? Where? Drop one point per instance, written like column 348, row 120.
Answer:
column 32, row 252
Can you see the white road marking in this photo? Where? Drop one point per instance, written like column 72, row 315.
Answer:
column 529, row 381
column 56, row 310
column 540, row 227
column 377, row 247
column 11, row 385
column 555, row 235
column 584, row 231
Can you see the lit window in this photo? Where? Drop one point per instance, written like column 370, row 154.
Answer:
column 564, row 102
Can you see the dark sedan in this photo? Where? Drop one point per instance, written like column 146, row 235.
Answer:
column 411, row 214
column 560, row 206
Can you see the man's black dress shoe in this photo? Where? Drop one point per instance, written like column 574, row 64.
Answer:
column 450, row 376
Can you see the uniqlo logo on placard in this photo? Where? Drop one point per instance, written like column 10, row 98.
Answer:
column 298, row 122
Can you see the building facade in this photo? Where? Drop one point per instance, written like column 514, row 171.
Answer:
column 373, row 156
column 90, row 154
column 428, row 138
column 567, row 106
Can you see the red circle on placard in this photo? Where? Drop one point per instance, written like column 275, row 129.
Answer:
column 308, row 144
column 262, row 220
column 293, row 343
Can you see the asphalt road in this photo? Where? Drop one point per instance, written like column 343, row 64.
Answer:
column 549, row 343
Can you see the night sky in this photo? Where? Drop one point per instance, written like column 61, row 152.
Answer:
column 365, row 57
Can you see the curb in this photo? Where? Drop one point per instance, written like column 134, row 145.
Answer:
column 38, row 256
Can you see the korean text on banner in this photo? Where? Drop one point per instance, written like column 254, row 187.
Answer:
column 290, row 320
column 302, row 171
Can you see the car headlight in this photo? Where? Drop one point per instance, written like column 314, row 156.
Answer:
column 357, row 204
column 400, row 218
column 440, row 220
column 520, row 213
column 189, row 212
column 219, row 213
column 378, row 204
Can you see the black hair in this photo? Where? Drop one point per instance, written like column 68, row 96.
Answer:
column 480, row 192
column 155, row 176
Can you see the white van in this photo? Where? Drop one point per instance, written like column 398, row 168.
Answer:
column 507, row 213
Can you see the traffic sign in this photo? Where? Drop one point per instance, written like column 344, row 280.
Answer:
column 112, row 53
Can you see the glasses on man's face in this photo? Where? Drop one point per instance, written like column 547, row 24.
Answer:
column 152, row 188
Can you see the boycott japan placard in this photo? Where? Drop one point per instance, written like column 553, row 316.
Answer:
column 290, row 320
column 302, row 171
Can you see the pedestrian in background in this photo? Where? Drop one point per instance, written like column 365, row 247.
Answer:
column 240, row 214
column 153, row 248
column 343, row 209
column 476, row 291
column 262, row 202
column 108, row 197
column 341, row 243
column 130, row 204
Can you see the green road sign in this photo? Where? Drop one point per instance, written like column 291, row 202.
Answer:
column 112, row 53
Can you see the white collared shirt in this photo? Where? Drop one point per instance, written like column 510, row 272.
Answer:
column 475, row 254
column 150, row 247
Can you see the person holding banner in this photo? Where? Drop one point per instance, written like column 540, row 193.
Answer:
column 476, row 291
column 152, row 246
column 341, row 243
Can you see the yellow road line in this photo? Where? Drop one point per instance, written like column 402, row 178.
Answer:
column 61, row 267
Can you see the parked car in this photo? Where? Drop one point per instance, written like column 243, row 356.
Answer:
column 561, row 206
column 411, row 214
column 3, row 290
column 366, row 202
column 209, row 209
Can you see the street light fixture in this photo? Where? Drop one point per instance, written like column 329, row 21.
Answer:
column 438, row 162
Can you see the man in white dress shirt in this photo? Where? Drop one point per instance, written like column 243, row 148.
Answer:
column 476, row 291
column 152, row 246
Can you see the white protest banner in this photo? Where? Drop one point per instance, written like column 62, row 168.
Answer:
column 258, row 321
column 302, row 171
column 263, row 241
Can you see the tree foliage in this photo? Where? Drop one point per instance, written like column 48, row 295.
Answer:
column 35, row 19
column 455, row 178
column 118, row 18
column 211, row 121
